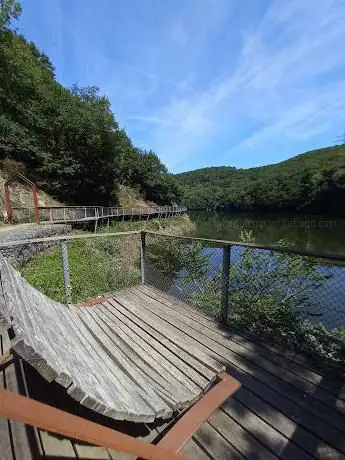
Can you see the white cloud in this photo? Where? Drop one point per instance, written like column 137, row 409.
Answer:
column 285, row 82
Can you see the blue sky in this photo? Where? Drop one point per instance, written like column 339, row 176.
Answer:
column 205, row 82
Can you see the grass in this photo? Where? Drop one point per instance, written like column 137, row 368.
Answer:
column 97, row 266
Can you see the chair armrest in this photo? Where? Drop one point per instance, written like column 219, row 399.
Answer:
column 16, row 407
column 189, row 423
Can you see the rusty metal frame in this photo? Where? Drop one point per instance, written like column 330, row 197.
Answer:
column 189, row 423
column 8, row 204
column 16, row 407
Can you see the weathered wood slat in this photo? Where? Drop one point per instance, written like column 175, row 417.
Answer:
column 5, row 433
column 182, row 342
column 303, row 438
column 284, row 374
column 215, row 444
column 292, row 400
column 130, row 405
column 268, row 436
column 175, row 354
column 25, row 440
column 37, row 388
column 261, row 349
column 139, row 356
column 310, row 403
column 182, row 337
column 87, row 452
column 193, row 451
column 133, row 366
column 110, row 369
column 171, row 361
column 242, row 440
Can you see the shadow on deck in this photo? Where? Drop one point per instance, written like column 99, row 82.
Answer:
column 284, row 410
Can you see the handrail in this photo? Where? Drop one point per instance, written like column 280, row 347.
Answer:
column 65, row 237
column 223, row 243
column 90, row 213
column 220, row 243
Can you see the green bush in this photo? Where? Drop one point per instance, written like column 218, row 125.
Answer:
column 97, row 267
column 270, row 296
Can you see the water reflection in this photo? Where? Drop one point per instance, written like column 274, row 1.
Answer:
column 310, row 233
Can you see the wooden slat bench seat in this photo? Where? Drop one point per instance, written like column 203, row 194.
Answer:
column 101, row 357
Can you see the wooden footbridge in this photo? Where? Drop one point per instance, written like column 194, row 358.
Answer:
column 93, row 214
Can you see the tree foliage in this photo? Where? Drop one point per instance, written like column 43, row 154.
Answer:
column 312, row 182
column 9, row 10
column 68, row 139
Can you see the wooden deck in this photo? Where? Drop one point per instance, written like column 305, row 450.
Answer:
column 284, row 409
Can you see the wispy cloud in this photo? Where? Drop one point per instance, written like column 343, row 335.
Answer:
column 210, row 82
column 286, row 82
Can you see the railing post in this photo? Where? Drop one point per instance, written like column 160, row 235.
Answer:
column 142, row 255
column 225, row 284
column 65, row 267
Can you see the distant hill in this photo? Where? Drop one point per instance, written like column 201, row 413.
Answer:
column 311, row 182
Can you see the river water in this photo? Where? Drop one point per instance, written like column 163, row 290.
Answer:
column 310, row 233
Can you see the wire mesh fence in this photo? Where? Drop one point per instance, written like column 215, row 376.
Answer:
column 77, row 268
column 281, row 296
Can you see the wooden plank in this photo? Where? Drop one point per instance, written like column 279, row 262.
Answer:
column 25, row 439
column 185, row 362
column 216, row 446
column 133, row 364
column 288, row 359
column 189, row 423
column 164, row 382
column 5, row 432
column 37, row 388
column 311, row 419
column 263, row 432
column 308, row 400
column 289, row 377
column 241, row 439
column 178, row 339
column 149, row 346
column 176, row 334
column 193, row 451
column 280, row 404
column 115, row 315
column 296, row 433
column 88, row 452
column 155, row 363
column 56, row 446
column 273, row 354
column 122, row 401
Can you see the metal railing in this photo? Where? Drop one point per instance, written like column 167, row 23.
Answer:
column 67, row 214
column 280, row 294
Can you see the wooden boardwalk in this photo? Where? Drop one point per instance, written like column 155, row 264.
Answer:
column 284, row 409
column 92, row 214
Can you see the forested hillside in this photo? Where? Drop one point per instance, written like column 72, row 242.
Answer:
column 311, row 182
column 67, row 139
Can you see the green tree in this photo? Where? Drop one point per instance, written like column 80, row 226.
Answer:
column 9, row 10
column 68, row 140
